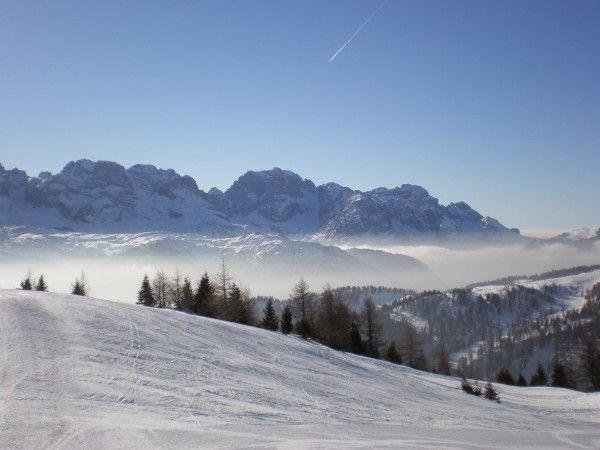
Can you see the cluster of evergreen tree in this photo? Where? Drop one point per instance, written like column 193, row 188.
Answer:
column 28, row 284
column 323, row 317
column 80, row 286
column 222, row 299
column 487, row 392
column 327, row 318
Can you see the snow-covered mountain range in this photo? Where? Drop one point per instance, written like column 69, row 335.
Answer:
column 93, row 374
column 103, row 196
column 585, row 239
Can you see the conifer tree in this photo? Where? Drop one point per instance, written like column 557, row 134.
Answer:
column 246, row 313
column 303, row 328
column 559, row 378
column 27, row 284
column 240, row 308
column 521, row 381
column 539, row 378
column 204, row 299
column 270, row 319
column 504, row 376
column 356, row 343
column 235, row 307
column 490, row 393
column 145, row 295
column 333, row 320
column 391, row 354
column 41, row 284
column 470, row 388
column 287, row 319
column 81, row 285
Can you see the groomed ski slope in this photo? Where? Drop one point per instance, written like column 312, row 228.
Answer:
column 84, row 373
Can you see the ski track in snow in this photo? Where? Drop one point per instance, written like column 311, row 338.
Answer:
column 85, row 373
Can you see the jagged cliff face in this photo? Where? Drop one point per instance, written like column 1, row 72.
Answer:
column 275, row 200
column 104, row 196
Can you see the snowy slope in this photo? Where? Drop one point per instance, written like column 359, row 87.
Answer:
column 570, row 292
column 85, row 373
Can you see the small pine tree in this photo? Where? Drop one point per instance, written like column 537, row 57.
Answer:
column 81, row 286
column 470, row 388
column 490, row 393
column 356, row 343
column 539, row 378
column 286, row 320
column 270, row 319
column 391, row 354
column 26, row 284
column 303, row 328
column 204, row 298
column 240, row 308
column 559, row 376
column 41, row 284
column 521, row 381
column 145, row 294
column 504, row 376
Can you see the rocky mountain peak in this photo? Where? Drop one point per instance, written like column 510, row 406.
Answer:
column 103, row 195
column 277, row 195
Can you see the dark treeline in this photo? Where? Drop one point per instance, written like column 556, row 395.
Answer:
column 324, row 317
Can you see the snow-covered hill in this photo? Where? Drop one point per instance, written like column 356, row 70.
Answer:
column 513, row 323
column 85, row 373
column 105, row 197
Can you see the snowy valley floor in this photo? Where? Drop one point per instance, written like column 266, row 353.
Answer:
column 85, row 373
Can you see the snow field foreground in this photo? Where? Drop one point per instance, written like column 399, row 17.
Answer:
column 84, row 373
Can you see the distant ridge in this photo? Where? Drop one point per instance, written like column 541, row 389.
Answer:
column 558, row 273
column 103, row 196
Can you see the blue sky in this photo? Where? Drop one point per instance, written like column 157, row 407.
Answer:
column 496, row 103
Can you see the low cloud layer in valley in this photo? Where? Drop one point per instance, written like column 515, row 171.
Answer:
column 456, row 268
column 115, row 267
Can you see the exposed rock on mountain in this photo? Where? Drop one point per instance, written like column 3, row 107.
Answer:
column 104, row 196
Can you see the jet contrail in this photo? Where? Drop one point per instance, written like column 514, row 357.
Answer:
column 358, row 31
